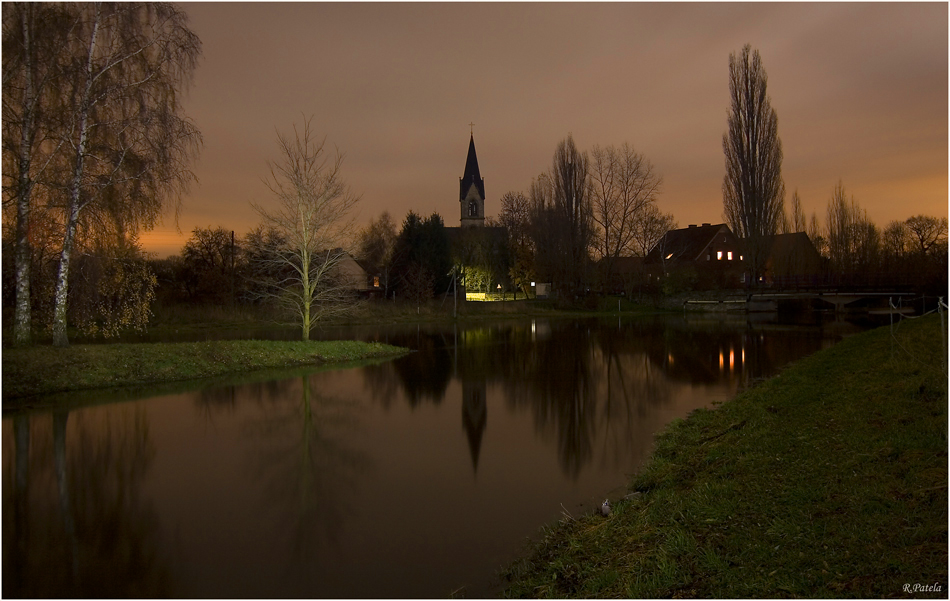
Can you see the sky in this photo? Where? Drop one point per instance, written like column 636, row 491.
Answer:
column 860, row 91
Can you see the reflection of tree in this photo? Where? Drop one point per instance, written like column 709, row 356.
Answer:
column 80, row 527
column 589, row 385
column 306, row 462
column 474, row 417
column 426, row 372
column 556, row 384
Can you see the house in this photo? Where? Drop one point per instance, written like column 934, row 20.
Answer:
column 353, row 276
column 792, row 261
column 706, row 256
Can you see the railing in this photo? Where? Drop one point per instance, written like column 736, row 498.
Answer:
column 869, row 281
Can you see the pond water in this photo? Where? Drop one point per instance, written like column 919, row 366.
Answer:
column 417, row 477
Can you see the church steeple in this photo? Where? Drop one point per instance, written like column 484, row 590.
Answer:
column 472, row 190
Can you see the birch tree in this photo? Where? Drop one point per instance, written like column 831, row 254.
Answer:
column 312, row 212
column 34, row 35
column 753, row 193
column 127, row 142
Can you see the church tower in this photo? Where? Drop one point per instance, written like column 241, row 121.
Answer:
column 472, row 191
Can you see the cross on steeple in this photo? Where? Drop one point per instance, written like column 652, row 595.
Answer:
column 471, row 128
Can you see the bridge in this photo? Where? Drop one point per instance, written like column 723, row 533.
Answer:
column 836, row 297
column 835, row 290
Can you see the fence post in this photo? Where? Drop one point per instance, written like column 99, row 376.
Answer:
column 943, row 333
column 890, row 303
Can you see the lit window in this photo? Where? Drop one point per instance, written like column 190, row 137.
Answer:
column 740, row 257
column 375, row 281
column 708, row 256
column 729, row 255
column 719, row 256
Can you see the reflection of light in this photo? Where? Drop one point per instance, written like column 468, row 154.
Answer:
column 669, row 358
column 732, row 359
column 721, row 361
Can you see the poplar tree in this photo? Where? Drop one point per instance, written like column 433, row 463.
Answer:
column 753, row 193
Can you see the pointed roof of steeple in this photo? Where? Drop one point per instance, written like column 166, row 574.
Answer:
column 471, row 175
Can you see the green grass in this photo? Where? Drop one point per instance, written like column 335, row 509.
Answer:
column 829, row 480
column 41, row 370
column 179, row 318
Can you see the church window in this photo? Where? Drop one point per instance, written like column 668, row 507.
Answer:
column 472, row 209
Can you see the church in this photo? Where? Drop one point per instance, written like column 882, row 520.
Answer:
column 479, row 250
column 472, row 190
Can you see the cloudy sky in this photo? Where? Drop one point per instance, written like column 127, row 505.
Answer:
column 860, row 91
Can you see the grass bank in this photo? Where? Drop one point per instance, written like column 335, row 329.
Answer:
column 828, row 480
column 204, row 317
column 40, row 370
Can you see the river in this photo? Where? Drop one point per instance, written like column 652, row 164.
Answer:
column 418, row 477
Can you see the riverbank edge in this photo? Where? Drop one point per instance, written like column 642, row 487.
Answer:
column 44, row 370
column 827, row 480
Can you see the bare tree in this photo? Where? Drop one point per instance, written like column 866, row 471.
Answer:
column 752, row 190
column 927, row 231
column 853, row 241
column 817, row 236
column 312, row 211
column 127, row 141
column 574, row 220
column 650, row 228
column 796, row 221
column 515, row 218
column 624, row 186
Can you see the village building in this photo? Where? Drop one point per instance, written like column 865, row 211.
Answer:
column 702, row 257
column 711, row 256
column 792, row 261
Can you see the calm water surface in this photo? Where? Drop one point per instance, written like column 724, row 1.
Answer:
column 417, row 477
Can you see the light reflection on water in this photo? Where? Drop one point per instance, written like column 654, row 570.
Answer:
column 410, row 478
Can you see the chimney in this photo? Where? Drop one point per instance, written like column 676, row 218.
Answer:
column 692, row 225
column 705, row 225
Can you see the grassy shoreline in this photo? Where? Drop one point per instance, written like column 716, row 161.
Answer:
column 828, row 480
column 43, row 370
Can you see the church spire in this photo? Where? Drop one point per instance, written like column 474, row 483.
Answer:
column 472, row 190
column 471, row 175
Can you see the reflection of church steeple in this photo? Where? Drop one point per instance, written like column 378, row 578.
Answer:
column 472, row 190
column 474, row 416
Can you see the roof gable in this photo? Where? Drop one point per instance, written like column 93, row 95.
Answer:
column 687, row 244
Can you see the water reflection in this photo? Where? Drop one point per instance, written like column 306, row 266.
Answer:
column 402, row 479
column 72, row 482
column 299, row 451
